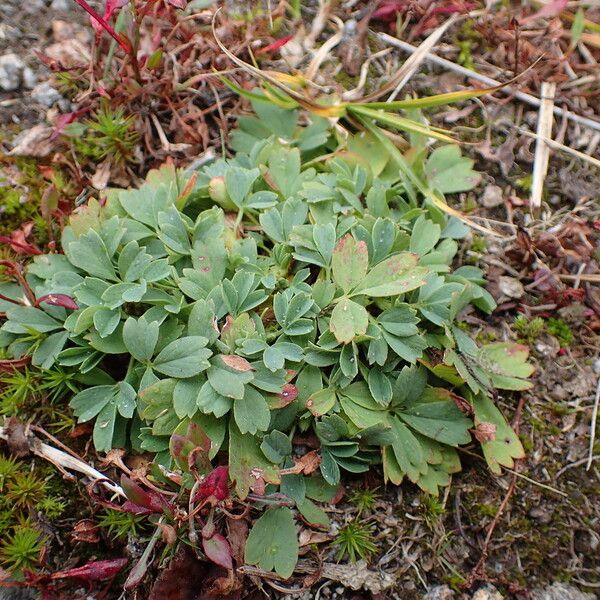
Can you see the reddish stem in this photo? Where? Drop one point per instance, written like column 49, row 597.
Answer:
column 119, row 39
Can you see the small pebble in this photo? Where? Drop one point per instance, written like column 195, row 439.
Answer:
column 11, row 72
column 492, row 196
column 45, row 94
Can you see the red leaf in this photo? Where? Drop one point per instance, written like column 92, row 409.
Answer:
column 288, row 393
column 64, row 120
column 121, row 40
column 93, row 571
column 58, row 300
column 388, row 9
column 112, row 6
column 178, row 3
column 218, row 550
column 139, row 498
column 276, row 44
column 215, row 486
column 18, row 240
column 10, row 364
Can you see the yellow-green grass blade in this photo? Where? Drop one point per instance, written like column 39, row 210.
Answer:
column 418, row 183
column 401, row 123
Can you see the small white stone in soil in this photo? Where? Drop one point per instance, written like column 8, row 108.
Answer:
column 11, row 72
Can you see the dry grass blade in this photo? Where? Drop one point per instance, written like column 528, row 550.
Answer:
column 66, row 462
column 506, row 88
column 561, row 147
column 593, row 427
column 325, row 49
column 406, row 71
column 542, row 150
column 265, row 76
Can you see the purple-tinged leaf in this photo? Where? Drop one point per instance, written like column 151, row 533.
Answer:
column 144, row 499
column 215, row 486
column 58, row 300
column 217, row 550
column 98, row 570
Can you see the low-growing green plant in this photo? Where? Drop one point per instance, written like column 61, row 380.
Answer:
column 355, row 541
column 528, row 329
column 110, row 133
column 561, row 330
column 364, row 499
column 119, row 524
column 302, row 286
column 21, row 549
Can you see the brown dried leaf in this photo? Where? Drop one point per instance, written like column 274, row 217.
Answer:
column 16, row 438
column 485, row 432
column 238, row 533
column 85, row 531
column 238, row 363
column 187, row 578
column 36, row 142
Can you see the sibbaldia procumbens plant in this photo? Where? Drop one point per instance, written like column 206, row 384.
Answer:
column 301, row 288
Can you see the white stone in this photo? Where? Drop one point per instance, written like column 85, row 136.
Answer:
column 11, row 72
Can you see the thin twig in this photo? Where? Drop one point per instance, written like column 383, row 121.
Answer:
column 575, row 464
column 561, row 147
column 593, row 427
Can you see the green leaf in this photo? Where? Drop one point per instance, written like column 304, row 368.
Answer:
column 577, row 27
column 383, row 236
column 228, row 382
column 506, row 364
column 395, row 275
column 348, row 320
column 23, row 318
column 284, row 168
column 106, row 321
column 449, row 172
column 276, row 446
column 210, row 401
column 46, row 353
column 184, row 357
column 140, row 338
column 424, row 236
column 408, row 451
column 349, row 263
column 125, row 399
column 104, row 428
column 506, row 446
column 324, row 238
column 238, row 182
column 313, row 514
column 273, row 543
column 248, row 467
column 120, row 293
column 89, row 402
column 251, row 413
column 185, row 396
column 441, row 421
column 380, row 386
column 90, row 254
column 321, row 402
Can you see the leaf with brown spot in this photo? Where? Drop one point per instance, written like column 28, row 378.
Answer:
column 237, row 363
